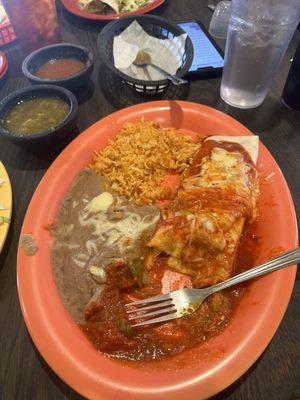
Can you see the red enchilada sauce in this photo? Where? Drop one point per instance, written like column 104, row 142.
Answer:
column 108, row 327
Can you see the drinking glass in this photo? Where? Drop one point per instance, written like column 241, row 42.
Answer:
column 219, row 21
column 258, row 35
column 34, row 21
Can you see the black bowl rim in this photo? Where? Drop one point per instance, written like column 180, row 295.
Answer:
column 37, row 88
column 162, row 82
column 36, row 53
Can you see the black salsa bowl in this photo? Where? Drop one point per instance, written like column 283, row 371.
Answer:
column 58, row 51
column 49, row 137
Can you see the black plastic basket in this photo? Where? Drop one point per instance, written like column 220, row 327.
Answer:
column 154, row 26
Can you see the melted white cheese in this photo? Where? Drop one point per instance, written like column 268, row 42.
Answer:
column 222, row 168
column 121, row 233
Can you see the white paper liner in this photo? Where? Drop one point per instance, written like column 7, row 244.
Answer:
column 166, row 53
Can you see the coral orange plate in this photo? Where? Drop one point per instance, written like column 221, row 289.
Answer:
column 73, row 7
column 193, row 375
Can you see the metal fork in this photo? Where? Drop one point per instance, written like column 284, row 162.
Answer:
column 183, row 302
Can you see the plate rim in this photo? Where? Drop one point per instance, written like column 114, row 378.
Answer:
column 71, row 7
column 159, row 105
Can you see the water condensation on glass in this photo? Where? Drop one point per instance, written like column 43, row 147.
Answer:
column 258, row 36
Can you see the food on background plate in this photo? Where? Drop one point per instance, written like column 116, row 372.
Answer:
column 60, row 68
column 112, row 6
column 3, row 207
column 36, row 115
column 4, row 220
column 114, row 243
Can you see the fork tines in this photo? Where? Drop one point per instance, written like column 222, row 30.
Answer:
column 162, row 305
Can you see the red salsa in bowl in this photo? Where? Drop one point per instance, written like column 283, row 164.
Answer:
column 60, row 68
column 63, row 64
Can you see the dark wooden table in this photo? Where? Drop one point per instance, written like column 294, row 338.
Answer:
column 23, row 373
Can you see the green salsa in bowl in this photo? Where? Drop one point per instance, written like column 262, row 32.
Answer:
column 39, row 115
column 35, row 115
